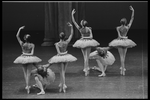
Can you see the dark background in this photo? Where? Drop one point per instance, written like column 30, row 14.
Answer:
column 103, row 17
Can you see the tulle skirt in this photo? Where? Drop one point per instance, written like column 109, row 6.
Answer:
column 122, row 43
column 50, row 77
column 62, row 58
column 25, row 59
column 108, row 60
column 83, row 43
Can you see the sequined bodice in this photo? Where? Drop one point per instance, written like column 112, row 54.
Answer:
column 63, row 46
column 85, row 32
column 123, row 31
column 27, row 47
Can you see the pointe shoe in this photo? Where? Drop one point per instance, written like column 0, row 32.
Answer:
column 35, row 85
column 64, row 89
column 102, row 75
column 60, row 85
column 65, row 86
column 42, row 92
column 28, row 89
column 94, row 68
column 60, row 89
column 122, row 72
column 86, row 73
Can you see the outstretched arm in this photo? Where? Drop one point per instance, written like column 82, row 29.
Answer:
column 17, row 35
column 34, row 71
column 70, row 37
column 132, row 17
column 73, row 20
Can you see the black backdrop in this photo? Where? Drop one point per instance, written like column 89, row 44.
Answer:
column 103, row 17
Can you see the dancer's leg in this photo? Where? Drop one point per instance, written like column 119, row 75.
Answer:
column 25, row 74
column 39, row 84
column 101, row 67
column 65, row 67
column 121, row 53
column 60, row 72
column 29, row 69
column 86, row 60
column 61, row 76
column 83, row 52
column 105, row 67
column 87, row 55
column 97, row 68
column 124, row 56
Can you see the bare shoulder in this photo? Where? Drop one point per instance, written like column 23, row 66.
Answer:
column 118, row 27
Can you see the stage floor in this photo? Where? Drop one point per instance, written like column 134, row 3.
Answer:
column 132, row 85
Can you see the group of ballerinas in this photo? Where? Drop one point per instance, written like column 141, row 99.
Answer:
column 44, row 76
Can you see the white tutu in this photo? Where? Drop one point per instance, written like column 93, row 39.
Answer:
column 50, row 77
column 108, row 60
column 122, row 43
column 62, row 58
column 83, row 43
column 24, row 59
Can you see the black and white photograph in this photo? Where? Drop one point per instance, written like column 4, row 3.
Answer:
column 75, row 49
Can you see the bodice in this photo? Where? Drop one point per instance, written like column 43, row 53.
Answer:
column 63, row 46
column 123, row 31
column 27, row 47
column 85, row 32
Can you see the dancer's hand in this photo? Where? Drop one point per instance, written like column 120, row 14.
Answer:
column 131, row 8
column 69, row 24
column 22, row 27
column 125, row 37
column 46, row 65
column 73, row 11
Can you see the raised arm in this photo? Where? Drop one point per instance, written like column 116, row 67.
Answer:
column 17, row 35
column 73, row 20
column 71, row 35
column 132, row 17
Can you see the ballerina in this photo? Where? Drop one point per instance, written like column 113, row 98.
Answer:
column 62, row 58
column 85, row 42
column 27, row 59
column 122, row 43
column 44, row 76
column 103, row 58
